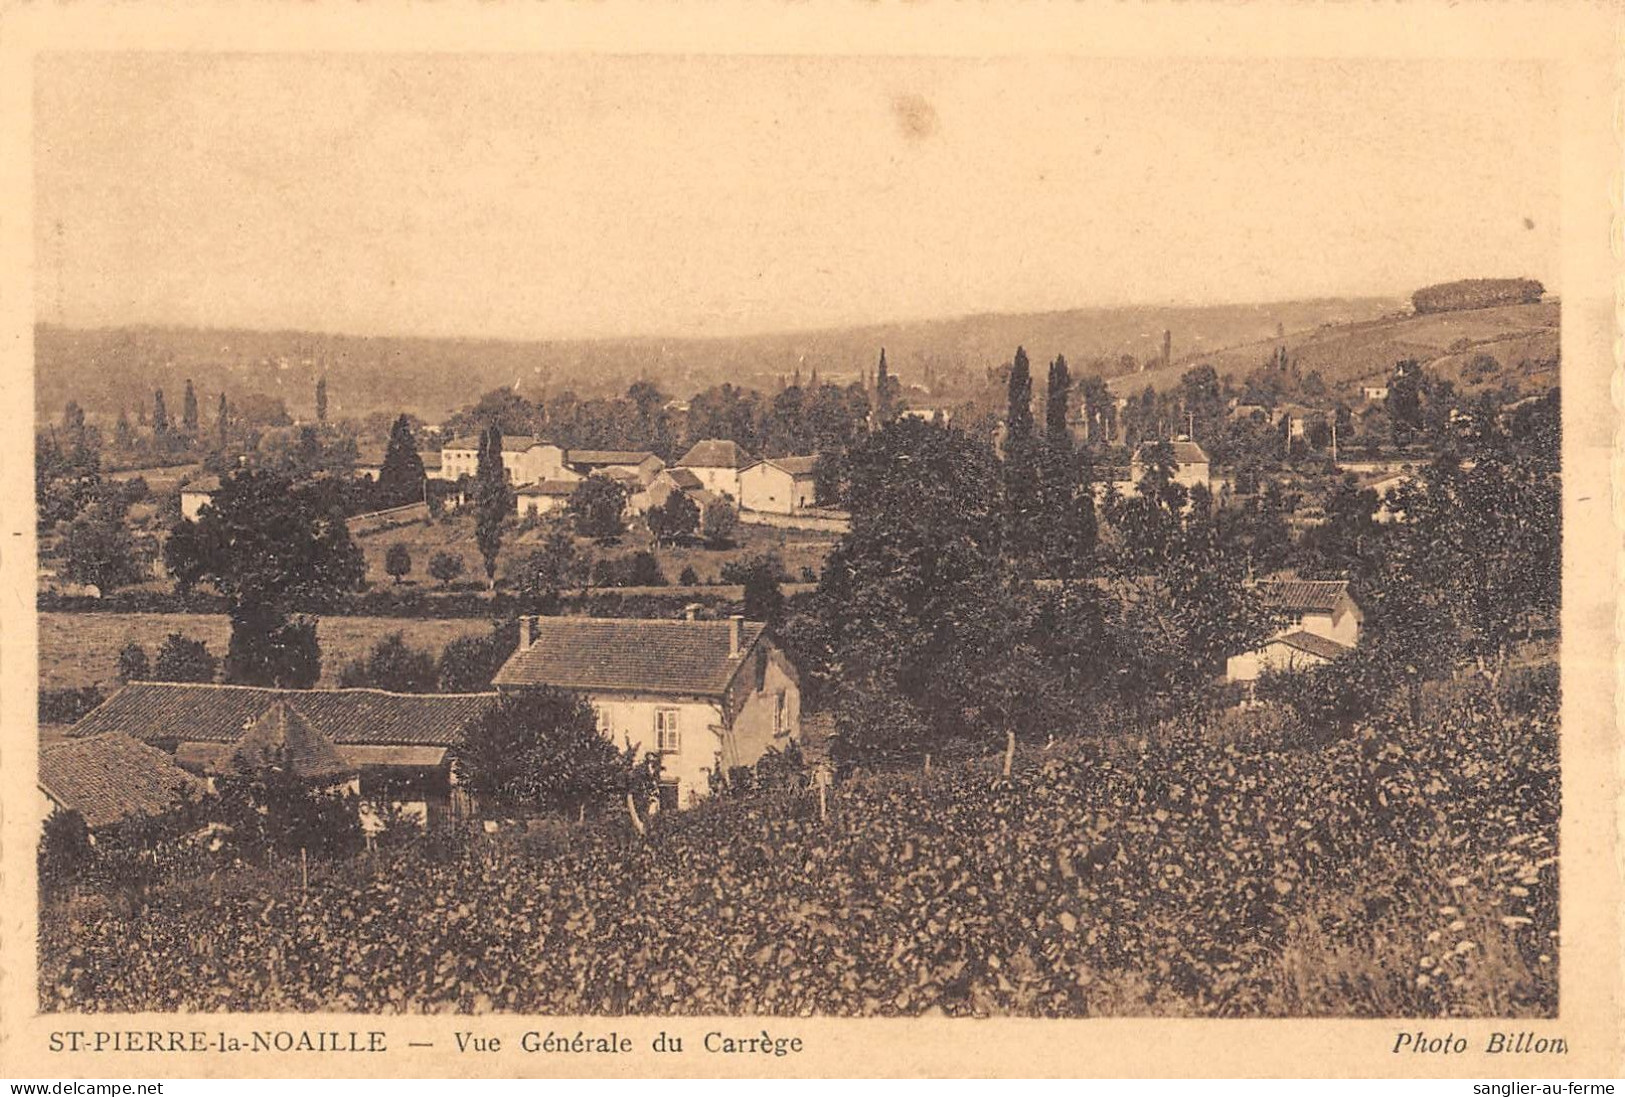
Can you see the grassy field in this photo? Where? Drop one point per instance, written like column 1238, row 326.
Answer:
column 797, row 548
column 81, row 649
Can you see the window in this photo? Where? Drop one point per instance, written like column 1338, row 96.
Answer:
column 606, row 725
column 667, row 738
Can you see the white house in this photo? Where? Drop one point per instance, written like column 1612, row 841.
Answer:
column 1374, row 394
column 718, row 463
column 629, row 466
column 706, row 696
column 197, row 495
column 526, row 460
column 1320, row 622
column 779, row 485
column 1191, row 463
column 543, row 498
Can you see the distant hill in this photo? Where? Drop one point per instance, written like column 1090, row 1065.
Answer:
column 109, row 369
column 1523, row 339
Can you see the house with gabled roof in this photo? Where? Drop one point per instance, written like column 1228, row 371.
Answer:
column 706, row 696
column 628, row 466
column 396, row 745
column 112, row 777
column 779, row 485
column 718, row 463
column 1320, row 622
column 525, row 459
column 1192, row 466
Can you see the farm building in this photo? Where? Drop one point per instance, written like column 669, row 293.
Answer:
column 629, row 466
column 1191, row 463
column 197, row 495
column 526, row 460
column 706, row 695
column 391, row 745
column 667, row 481
column 779, row 485
column 110, row 778
column 1322, row 623
column 718, row 463
column 546, row 497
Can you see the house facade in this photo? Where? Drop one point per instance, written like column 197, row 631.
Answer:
column 706, row 696
column 779, row 485
column 1191, row 463
column 717, row 463
column 543, row 498
column 1321, row 622
column 526, row 460
column 628, row 466
column 197, row 495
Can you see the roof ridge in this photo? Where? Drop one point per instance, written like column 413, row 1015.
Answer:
column 316, row 690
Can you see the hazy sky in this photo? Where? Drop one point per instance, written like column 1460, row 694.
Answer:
column 562, row 196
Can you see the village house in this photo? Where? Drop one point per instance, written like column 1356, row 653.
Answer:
column 1321, row 621
column 1191, row 463
column 667, row 481
column 628, row 466
column 707, row 696
column 779, row 485
column 525, row 459
column 543, row 498
column 718, row 463
column 1374, row 394
column 110, row 778
column 389, row 746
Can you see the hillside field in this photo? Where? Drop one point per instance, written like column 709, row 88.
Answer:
column 81, row 649
column 1365, row 352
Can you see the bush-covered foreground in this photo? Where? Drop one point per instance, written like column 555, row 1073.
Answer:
column 1397, row 872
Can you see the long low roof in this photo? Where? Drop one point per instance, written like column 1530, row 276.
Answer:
column 175, row 712
column 687, row 658
column 111, row 777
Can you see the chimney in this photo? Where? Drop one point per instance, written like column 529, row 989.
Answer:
column 736, row 628
column 527, row 631
column 691, row 612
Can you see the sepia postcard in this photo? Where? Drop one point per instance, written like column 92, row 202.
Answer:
column 810, row 540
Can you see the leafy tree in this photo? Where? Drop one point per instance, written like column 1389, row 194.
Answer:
column 446, row 567
column 401, row 477
column 97, row 547
column 398, row 561
column 184, row 555
column 764, row 600
column 719, row 521
column 558, row 565
column 1404, row 403
column 270, row 649
column 468, row 663
column 493, row 501
column 273, row 808
column 392, row 665
column 189, row 417
column 132, row 663
column 598, row 507
column 321, row 399
column 678, row 517
column 541, row 750
column 182, row 659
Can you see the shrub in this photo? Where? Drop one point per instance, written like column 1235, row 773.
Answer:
column 689, row 577
column 398, row 561
column 392, row 665
column 132, row 663
column 445, row 566
column 182, row 659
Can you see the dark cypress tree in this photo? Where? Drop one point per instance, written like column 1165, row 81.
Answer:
column 189, row 417
column 160, row 416
column 222, row 422
column 321, row 399
column 1055, row 400
column 400, row 480
column 885, row 398
column 1022, row 494
column 121, row 431
column 492, row 502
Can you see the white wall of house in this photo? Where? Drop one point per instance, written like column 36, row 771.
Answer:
column 766, row 487
column 720, row 480
column 1341, row 625
column 539, row 505
column 636, row 718
column 769, row 717
column 1274, row 655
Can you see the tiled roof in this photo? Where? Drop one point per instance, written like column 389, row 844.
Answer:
column 1312, row 644
column 1185, row 453
column 174, row 712
column 106, row 778
column 798, row 467
column 630, row 655
column 606, row 456
column 684, row 479
column 282, row 738
column 715, row 453
column 1304, row 595
column 549, row 487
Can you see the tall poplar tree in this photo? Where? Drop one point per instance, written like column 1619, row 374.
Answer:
column 160, row 415
column 189, row 417
column 222, row 422
column 492, row 500
column 321, row 399
column 1022, row 495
